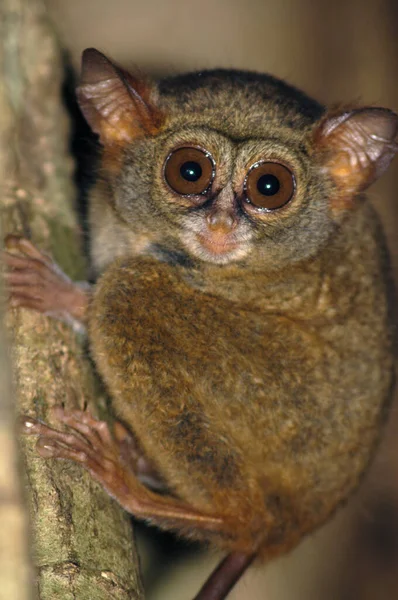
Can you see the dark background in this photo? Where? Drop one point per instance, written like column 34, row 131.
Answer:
column 338, row 52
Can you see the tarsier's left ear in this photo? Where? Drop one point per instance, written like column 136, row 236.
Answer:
column 358, row 146
column 117, row 105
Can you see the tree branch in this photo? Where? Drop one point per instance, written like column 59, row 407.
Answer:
column 82, row 541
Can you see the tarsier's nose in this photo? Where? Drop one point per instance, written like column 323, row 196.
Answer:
column 221, row 221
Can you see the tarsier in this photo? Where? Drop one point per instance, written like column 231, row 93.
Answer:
column 242, row 318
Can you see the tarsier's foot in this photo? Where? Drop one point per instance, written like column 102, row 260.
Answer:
column 89, row 443
column 35, row 281
column 111, row 460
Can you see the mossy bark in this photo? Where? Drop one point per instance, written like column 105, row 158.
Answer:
column 82, row 541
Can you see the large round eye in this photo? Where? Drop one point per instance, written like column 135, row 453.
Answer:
column 189, row 171
column 269, row 185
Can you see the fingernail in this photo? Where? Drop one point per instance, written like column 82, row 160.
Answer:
column 28, row 425
column 45, row 449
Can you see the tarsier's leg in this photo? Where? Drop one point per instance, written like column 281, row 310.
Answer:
column 35, row 281
column 92, row 445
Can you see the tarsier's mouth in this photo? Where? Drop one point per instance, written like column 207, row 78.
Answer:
column 217, row 244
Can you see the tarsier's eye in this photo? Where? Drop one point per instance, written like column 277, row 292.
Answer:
column 269, row 185
column 189, row 171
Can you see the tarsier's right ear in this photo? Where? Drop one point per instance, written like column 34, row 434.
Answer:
column 118, row 106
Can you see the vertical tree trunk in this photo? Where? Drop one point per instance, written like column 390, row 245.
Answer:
column 82, row 541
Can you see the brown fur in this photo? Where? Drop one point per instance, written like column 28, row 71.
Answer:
column 256, row 384
column 264, row 412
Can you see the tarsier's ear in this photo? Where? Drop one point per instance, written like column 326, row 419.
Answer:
column 117, row 106
column 358, row 146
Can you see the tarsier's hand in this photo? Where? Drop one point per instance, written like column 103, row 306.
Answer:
column 36, row 282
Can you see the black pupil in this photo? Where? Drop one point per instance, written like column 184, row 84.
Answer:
column 191, row 171
column 268, row 185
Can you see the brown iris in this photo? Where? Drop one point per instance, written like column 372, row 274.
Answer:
column 189, row 171
column 269, row 185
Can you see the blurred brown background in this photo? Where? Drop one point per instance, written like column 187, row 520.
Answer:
column 339, row 52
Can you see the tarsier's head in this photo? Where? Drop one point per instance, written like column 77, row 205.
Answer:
column 229, row 165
